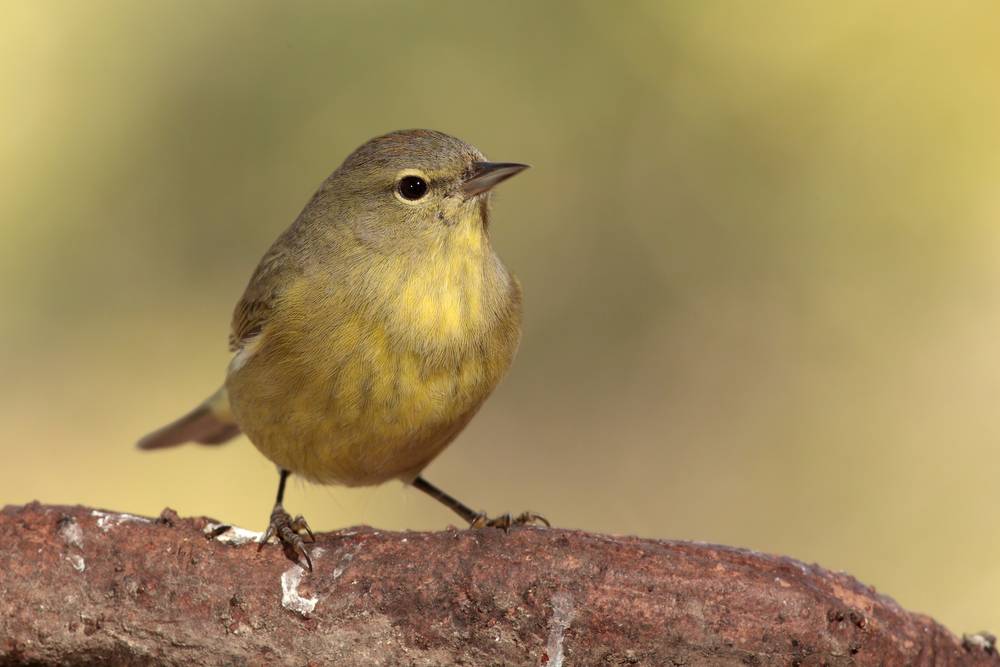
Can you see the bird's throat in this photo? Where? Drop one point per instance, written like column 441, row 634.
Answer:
column 447, row 294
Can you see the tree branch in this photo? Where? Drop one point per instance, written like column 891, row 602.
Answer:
column 82, row 586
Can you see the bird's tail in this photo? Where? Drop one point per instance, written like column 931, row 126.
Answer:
column 211, row 423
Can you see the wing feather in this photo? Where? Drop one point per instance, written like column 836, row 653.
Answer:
column 254, row 309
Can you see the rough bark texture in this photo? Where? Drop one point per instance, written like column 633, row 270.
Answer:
column 78, row 586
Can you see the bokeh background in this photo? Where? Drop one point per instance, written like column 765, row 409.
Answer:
column 759, row 244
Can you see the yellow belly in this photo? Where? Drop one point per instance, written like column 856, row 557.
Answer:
column 345, row 400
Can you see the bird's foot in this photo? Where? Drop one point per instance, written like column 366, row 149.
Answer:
column 505, row 521
column 289, row 533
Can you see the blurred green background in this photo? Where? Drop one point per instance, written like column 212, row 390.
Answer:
column 759, row 246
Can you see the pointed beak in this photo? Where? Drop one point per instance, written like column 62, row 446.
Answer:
column 486, row 175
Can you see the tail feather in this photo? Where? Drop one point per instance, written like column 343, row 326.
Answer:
column 209, row 424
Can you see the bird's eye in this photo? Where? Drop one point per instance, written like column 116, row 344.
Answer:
column 412, row 187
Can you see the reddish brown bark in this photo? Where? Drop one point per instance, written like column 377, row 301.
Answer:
column 101, row 588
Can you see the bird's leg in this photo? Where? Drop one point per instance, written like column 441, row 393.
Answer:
column 286, row 529
column 477, row 519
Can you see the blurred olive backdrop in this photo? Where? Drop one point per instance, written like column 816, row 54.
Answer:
column 759, row 245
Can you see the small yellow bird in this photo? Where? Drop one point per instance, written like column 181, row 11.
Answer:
column 373, row 328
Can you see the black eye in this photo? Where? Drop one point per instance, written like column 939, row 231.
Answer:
column 412, row 187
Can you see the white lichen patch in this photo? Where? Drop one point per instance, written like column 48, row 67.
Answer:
column 234, row 534
column 562, row 616
column 981, row 640
column 290, row 598
column 108, row 520
column 77, row 562
column 71, row 533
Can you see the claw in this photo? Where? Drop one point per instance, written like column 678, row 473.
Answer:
column 305, row 554
column 266, row 537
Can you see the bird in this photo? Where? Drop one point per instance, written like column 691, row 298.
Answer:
column 372, row 330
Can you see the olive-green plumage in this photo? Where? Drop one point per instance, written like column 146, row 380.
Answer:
column 378, row 322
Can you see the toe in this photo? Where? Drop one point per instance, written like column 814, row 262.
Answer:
column 505, row 521
column 528, row 518
column 299, row 525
